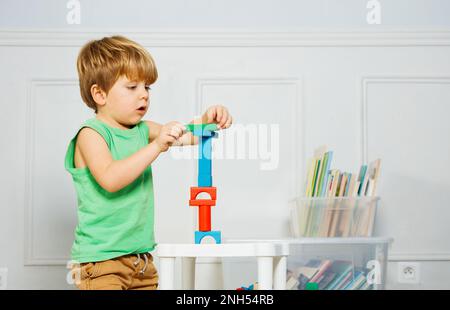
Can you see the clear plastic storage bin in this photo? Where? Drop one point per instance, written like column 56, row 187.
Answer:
column 333, row 217
column 327, row 263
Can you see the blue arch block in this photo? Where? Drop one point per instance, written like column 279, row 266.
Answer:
column 199, row 235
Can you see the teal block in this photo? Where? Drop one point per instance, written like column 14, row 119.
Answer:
column 202, row 130
column 216, row 234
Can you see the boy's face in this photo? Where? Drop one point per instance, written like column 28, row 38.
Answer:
column 127, row 101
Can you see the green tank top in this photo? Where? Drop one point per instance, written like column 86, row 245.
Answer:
column 112, row 224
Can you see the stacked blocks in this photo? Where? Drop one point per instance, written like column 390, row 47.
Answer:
column 205, row 132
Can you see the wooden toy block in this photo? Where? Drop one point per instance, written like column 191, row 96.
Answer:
column 204, row 162
column 202, row 202
column 205, row 146
column 212, row 191
column 199, row 235
column 202, row 130
column 204, row 180
column 204, row 218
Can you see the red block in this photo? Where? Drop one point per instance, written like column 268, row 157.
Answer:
column 204, row 206
column 197, row 190
column 202, row 202
column 204, row 218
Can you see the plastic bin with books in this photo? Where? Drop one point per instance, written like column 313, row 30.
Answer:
column 338, row 263
column 327, row 263
column 333, row 217
column 336, row 203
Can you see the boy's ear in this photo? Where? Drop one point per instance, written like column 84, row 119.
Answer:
column 98, row 95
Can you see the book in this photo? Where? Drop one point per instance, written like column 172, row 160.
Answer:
column 342, row 268
column 312, row 188
column 343, row 184
column 356, row 188
column 329, row 207
column 339, row 214
column 364, row 185
column 305, row 273
column 329, row 157
column 316, row 173
column 351, row 186
column 309, row 270
column 327, row 277
column 323, row 267
column 374, row 173
column 361, row 179
column 334, row 214
column 291, row 283
column 366, row 286
column 348, row 213
column 345, row 281
column 315, row 162
column 347, row 186
column 358, row 280
column 329, row 183
column 367, row 220
column 310, row 171
column 319, row 175
column 319, row 154
column 370, row 184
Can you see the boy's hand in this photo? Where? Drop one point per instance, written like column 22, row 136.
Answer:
column 168, row 135
column 219, row 115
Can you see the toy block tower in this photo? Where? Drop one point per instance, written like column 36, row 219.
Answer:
column 205, row 134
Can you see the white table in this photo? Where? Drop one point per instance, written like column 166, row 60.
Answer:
column 271, row 260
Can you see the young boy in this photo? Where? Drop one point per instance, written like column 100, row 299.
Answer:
column 110, row 161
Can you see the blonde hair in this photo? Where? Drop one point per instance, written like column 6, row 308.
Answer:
column 103, row 61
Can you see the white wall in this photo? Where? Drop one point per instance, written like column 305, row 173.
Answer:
column 366, row 93
column 254, row 14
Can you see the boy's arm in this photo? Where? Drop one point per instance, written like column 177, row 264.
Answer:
column 111, row 174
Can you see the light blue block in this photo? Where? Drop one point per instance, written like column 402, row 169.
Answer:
column 204, row 172
column 204, row 162
column 216, row 234
column 204, row 166
column 204, row 180
column 206, row 147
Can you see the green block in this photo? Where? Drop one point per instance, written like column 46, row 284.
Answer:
column 312, row 286
column 201, row 127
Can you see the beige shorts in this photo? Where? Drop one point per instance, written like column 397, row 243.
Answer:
column 128, row 272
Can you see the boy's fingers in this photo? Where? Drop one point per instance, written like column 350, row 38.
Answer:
column 171, row 139
column 229, row 122
column 182, row 128
column 219, row 114
column 177, row 130
column 211, row 115
column 177, row 133
column 225, row 118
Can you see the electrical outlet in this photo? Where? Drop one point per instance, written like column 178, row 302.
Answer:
column 409, row 272
column 3, row 278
